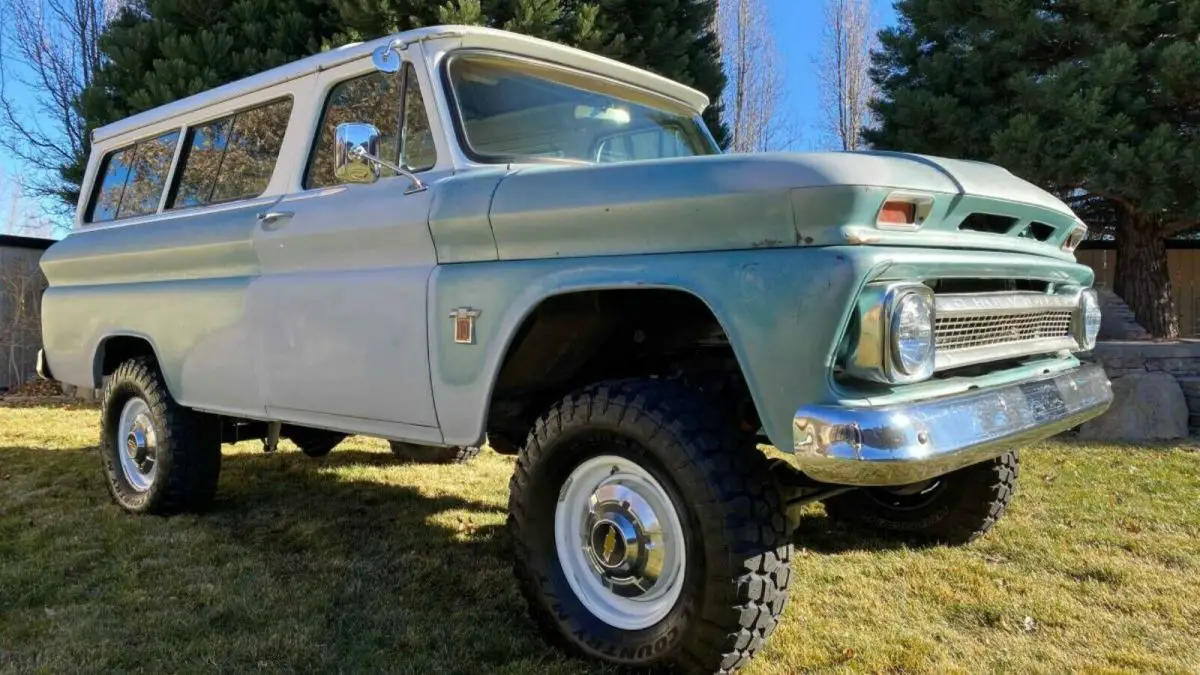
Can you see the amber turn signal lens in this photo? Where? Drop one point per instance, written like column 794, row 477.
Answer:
column 898, row 213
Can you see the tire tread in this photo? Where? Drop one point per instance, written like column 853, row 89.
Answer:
column 744, row 511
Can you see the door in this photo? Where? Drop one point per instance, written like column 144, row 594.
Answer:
column 340, row 308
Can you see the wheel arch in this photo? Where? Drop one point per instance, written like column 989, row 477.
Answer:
column 115, row 348
column 520, row 314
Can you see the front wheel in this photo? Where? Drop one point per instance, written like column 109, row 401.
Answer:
column 645, row 534
column 953, row 509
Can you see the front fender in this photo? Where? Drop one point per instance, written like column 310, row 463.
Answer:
column 782, row 309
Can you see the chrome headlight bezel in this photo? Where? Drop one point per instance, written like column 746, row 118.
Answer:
column 875, row 355
column 1087, row 319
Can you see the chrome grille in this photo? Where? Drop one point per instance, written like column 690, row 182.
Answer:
column 967, row 332
column 974, row 328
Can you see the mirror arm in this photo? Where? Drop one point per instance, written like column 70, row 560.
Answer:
column 417, row 185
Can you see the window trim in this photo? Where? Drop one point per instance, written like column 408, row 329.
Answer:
column 185, row 148
column 98, row 181
column 410, row 69
column 456, row 117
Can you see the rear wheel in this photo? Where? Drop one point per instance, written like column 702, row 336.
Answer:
column 158, row 456
column 954, row 509
column 428, row 454
column 644, row 534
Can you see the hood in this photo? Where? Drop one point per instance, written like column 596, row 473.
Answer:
column 766, row 200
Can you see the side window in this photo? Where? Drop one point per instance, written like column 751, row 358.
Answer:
column 132, row 179
column 417, row 150
column 232, row 157
column 374, row 99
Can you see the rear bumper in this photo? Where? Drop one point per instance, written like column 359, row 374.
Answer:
column 908, row 443
column 43, row 368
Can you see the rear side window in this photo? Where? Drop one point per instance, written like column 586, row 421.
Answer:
column 132, row 179
column 232, row 157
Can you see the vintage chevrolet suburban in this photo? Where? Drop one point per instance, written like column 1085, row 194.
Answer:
column 457, row 233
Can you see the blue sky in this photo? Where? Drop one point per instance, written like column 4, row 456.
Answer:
column 797, row 26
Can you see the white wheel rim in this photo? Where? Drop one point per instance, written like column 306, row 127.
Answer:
column 620, row 542
column 137, row 445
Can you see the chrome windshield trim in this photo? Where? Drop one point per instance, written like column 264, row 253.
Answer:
column 907, row 443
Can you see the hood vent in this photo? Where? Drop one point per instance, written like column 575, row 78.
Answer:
column 1039, row 231
column 988, row 222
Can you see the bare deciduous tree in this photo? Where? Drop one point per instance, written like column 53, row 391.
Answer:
column 20, row 216
column 753, row 97
column 21, row 287
column 842, row 70
column 49, row 50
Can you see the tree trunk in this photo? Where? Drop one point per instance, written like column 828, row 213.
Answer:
column 1142, row 279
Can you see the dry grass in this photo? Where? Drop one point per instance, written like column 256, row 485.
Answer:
column 357, row 563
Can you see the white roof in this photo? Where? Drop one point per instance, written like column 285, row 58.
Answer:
column 475, row 35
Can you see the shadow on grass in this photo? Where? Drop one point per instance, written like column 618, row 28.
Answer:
column 340, row 564
column 356, row 562
column 821, row 534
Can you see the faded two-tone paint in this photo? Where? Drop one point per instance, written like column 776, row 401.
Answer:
column 774, row 245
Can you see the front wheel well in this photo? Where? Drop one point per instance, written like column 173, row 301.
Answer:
column 573, row 340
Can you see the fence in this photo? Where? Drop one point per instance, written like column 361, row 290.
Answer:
column 1183, row 264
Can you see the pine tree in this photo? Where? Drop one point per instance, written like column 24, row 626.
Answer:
column 674, row 38
column 158, row 51
column 1093, row 99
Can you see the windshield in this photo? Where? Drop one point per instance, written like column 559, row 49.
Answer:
column 513, row 109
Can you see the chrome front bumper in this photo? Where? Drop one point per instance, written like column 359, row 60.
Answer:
column 912, row 442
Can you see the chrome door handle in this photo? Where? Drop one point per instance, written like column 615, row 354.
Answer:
column 272, row 220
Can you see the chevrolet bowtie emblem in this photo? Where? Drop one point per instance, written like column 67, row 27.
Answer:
column 464, row 325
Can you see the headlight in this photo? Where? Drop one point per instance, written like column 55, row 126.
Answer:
column 890, row 338
column 1089, row 319
column 911, row 336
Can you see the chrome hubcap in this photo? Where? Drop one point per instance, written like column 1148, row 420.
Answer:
column 620, row 542
column 136, row 435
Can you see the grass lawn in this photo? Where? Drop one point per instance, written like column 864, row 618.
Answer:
column 357, row 563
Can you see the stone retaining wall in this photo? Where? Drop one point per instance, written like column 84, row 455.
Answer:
column 1179, row 359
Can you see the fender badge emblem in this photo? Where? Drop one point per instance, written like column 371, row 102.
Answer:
column 464, row 325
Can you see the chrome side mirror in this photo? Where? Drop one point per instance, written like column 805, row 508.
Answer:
column 357, row 144
column 356, row 157
column 387, row 59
